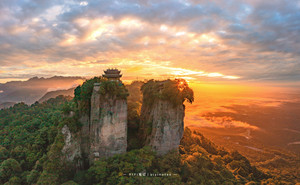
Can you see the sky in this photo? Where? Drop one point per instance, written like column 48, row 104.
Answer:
column 251, row 107
column 231, row 40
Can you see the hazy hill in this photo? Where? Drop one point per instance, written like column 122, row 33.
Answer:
column 6, row 105
column 31, row 154
column 35, row 88
column 135, row 94
column 53, row 94
column 31, row 144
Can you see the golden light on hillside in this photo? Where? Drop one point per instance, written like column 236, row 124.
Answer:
column 181, row 85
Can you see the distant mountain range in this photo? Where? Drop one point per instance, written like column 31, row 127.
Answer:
column 36, row 89
column 6, row 105
column 54, row 94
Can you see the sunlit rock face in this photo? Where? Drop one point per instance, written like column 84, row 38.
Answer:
column 162, row 125
column 108, row 125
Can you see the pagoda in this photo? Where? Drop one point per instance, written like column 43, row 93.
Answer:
column 112, row 74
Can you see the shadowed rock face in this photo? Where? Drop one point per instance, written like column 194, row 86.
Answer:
column 72, row 150
column 162, row 125
column 103, row 132
column 108, row 125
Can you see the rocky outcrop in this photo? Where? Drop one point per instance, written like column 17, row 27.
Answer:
column 71, row 150
column 103, row 132
column 102, row 112
column 162, row 113
column 108, row 125
column 162, row 125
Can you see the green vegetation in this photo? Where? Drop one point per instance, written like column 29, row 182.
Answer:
column 31, row 143
column 9, row 168
column 84, row 92
column 134, row 104
column 112, row 170
column 209, row 162
column 198, row 162
column 28, row 136
column 175, row 91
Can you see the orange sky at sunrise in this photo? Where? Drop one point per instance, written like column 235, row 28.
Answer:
column 215, row 98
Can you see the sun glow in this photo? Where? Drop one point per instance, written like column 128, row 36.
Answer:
column 70, row 39
column 98, row 28
column 186, row 73
column 208, row 38
column 181, row 86
column 131, row 23
column 163, row 28
column 98, row 32
column 231, row 77
column 214, row 75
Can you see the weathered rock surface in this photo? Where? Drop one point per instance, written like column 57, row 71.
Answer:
column 108, row 125
column 103, row 132
column 162, row 125
column 104, row 122
column 71, row 150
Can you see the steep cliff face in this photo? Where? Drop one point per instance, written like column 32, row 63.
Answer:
column 108, row 125
column 102, row 113
column 163, row 113
column 163, row 126
column 72, row 150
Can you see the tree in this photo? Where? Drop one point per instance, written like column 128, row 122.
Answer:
column 4, row 154
column 9, row 168
column 14, row 181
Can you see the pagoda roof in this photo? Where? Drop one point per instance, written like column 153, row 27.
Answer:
column 112, row 73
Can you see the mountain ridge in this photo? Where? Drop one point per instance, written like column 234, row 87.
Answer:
column 35, row 88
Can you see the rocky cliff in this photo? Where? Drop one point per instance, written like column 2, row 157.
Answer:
column 72, row 150
column 163, row 125
column 163, row 113
column 102, row 114
column 108, row 125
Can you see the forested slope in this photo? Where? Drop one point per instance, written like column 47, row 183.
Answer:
column 31, row 143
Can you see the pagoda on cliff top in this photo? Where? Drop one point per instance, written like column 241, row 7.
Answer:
column 112, row 74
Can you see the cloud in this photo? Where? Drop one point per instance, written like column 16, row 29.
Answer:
column 253, row 40
column 220, row 122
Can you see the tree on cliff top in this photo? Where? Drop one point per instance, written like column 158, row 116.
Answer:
column 175, row 91
column 84, row 92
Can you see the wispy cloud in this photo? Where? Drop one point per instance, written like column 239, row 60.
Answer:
column 195, row 39
column 221, row 122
